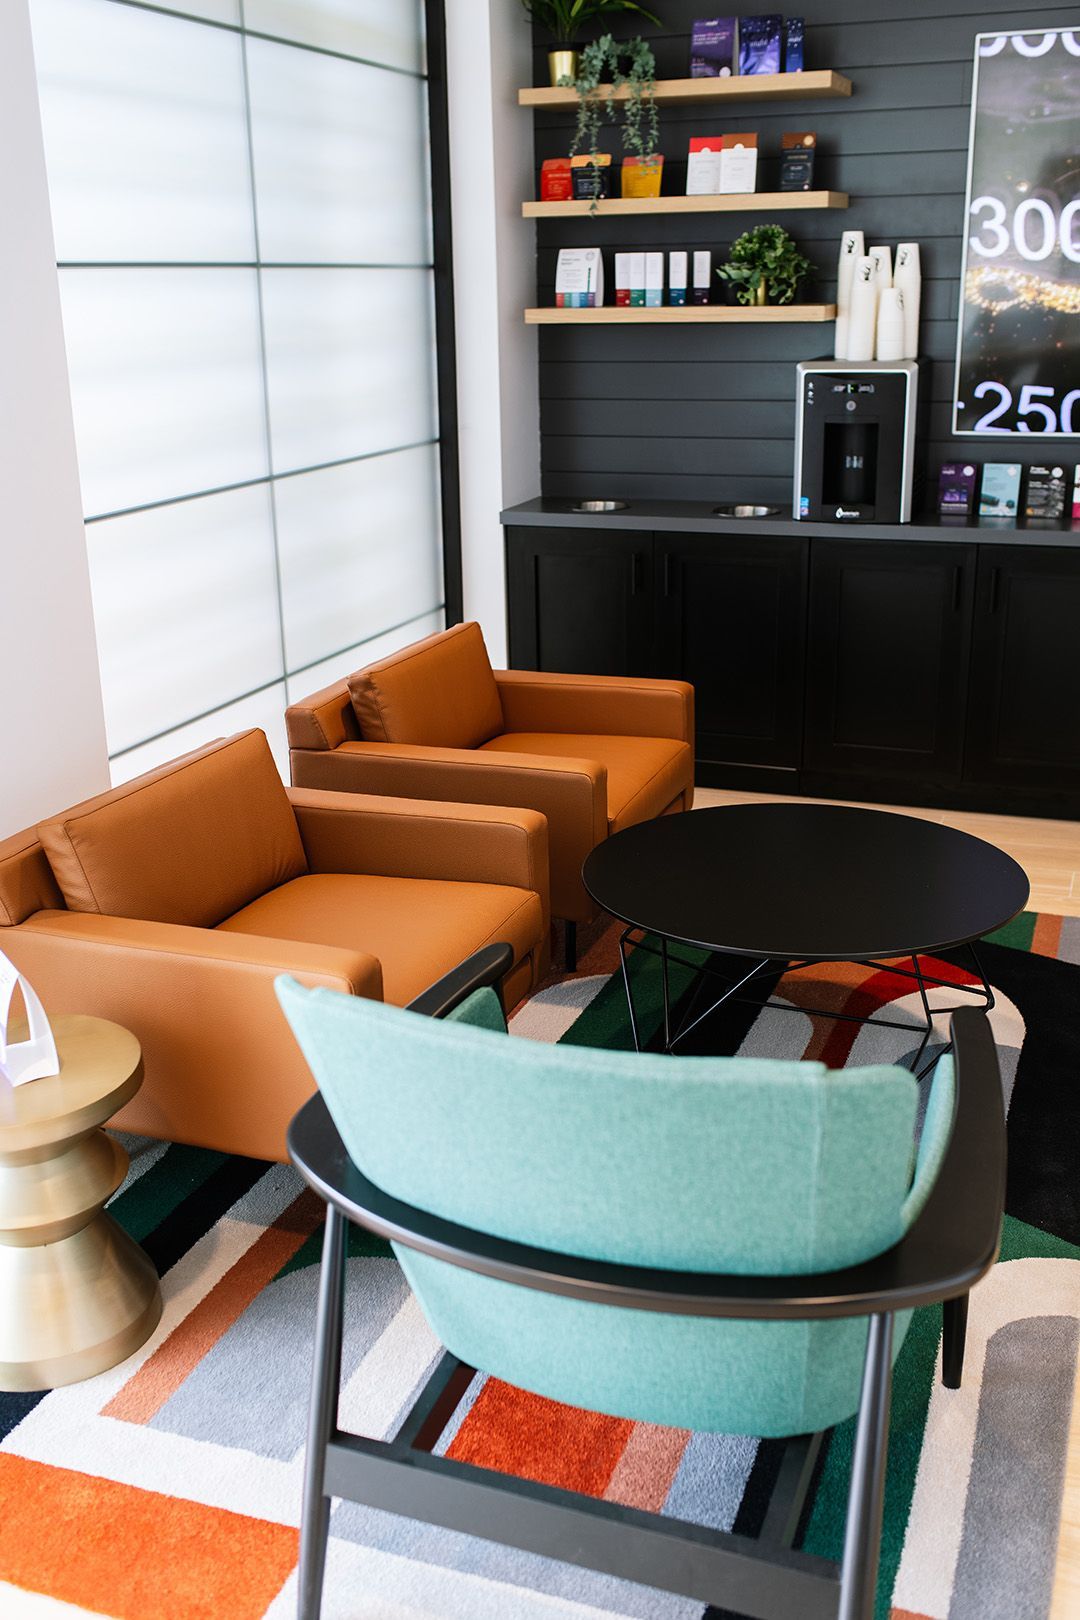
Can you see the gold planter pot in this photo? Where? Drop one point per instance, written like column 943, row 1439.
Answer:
column 762, row 294
column 562, row 64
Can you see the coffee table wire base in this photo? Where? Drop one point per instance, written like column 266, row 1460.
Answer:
column 706, row 970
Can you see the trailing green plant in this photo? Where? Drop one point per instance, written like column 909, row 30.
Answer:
column 765, row 256
column 602, row 62
column 564, row 19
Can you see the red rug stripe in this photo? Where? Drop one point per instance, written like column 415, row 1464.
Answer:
column 517, row 1433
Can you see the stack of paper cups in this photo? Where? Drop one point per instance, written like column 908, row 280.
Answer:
column 909, row 279
column 862, row 318
column 851, row 250
column 883, row 266
column 890, row 324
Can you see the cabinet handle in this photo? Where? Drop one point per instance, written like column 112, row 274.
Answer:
column 995, row 586
column 636, row 573
column 957, row 588
column 670, row 573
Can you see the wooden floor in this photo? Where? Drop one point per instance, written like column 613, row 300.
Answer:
column 1049, row 851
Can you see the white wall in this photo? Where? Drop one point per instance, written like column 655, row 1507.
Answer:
column 52, row 731
column 491, row 163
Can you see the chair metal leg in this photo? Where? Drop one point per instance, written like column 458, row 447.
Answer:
column 322, row 1417
column 571, row 947
column 953, row 1339
column 866, row 1498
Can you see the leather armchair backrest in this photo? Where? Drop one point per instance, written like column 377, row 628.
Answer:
column 26, row 880
column 189, row 843
column 440, row 693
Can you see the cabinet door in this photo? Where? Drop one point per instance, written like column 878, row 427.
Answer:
column 887, row 657
column 580, row 601
column 1024, row 708
column 731, row 614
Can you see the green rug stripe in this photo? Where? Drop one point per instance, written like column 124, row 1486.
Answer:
column 362, row 1245
column 1019, row 933
column 605, row 1021
column 177, row 1174
column 913, row 1378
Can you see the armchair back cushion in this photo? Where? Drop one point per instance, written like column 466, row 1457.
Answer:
column 699, row 1164
column 440, row 692
column 190, row 843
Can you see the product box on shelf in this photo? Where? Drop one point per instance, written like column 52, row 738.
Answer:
column 714, row 52
column 1000, row 492
column 703, row 166
column 1044, row 496
column 760, row 43
column 555, row 182
column 677, row 261
column 738, row 162
column 579, row 278
column 583, row 172
column 797, row 160
column 956, row 489
column 641, row 176
column 793, row 45
column 702, row 289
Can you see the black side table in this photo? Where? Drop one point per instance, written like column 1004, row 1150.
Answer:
column 790, row 885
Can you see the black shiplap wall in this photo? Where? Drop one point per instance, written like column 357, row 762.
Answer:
column 707, row 413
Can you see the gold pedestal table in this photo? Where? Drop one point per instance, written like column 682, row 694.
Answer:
column 77, row 1295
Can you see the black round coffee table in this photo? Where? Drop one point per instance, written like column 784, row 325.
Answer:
column 794, row 884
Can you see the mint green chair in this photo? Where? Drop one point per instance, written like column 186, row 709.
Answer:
column 714, row 1243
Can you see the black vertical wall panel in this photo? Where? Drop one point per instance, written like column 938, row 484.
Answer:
column 707, row 413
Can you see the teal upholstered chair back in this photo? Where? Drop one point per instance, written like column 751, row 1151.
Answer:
column 699, row 1164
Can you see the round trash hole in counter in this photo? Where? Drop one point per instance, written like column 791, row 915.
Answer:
column 746, row 511
column 600, row 506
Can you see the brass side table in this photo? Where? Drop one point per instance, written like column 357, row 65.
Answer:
column 77, row 1295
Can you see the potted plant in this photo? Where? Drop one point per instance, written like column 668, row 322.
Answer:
column 627, row 62
column 564, row 20
column 765, row 265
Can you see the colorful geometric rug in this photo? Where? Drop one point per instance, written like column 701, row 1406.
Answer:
column 169, row 1488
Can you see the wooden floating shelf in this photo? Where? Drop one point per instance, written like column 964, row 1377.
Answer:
column 817, row 86
column 730, row 202
column 714, row 314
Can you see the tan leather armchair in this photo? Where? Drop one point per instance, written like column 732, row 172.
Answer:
column 593, row 753
column 172, row 903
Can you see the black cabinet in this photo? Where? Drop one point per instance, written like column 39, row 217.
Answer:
column 580, row 602
column 922, row 671
column 730, row 617
column 1024, row 710
column 887, row 658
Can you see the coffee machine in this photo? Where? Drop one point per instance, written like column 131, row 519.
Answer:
column 855, row 439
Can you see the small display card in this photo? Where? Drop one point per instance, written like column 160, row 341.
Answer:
column 34, row 1058
column 703, row 166
column 738, row 162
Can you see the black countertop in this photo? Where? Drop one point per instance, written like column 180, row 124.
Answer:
column 698, row 517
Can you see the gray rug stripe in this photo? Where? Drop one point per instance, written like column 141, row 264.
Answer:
column 1005, row 1569
column 1069, row 945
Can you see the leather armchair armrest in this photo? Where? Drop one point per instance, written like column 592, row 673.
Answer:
column 322, row 720
column 571, row 793
column 391, row 837
column 220, row 1068
column 604, row 705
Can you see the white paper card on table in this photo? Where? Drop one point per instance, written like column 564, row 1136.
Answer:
column 32, row 1059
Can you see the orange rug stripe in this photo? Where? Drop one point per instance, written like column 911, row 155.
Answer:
column 644, row 1473
column 518, row 1433
column 161, row 1374
column 136, row 1554
column 1046, row 938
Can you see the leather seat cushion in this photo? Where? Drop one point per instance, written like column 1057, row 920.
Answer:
column 418, row 928
column 645, row 774
column 439, row 693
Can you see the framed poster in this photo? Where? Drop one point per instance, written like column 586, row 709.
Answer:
column 1018, row 343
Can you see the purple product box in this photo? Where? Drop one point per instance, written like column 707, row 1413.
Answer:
column 956, row 489
column 712, row 48
column 793, row 45
column 759, row 43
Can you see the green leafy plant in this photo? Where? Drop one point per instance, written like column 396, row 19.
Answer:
column 602, row 62
column 564, row 19
column 765, row 258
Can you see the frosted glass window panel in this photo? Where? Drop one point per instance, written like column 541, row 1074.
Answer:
column 390, row 34
column 341, row 159
column 166, row 382
column 265, row 710
column 359, row 551
column 145, row 135
column 350, row 362
column 186, row 608
column 345, row 663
